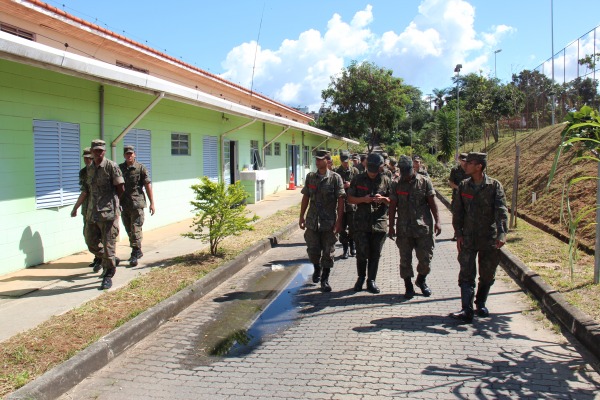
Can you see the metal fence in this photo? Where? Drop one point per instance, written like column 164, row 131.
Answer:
column 565, row 64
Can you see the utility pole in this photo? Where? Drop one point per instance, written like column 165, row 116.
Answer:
column 457, row 70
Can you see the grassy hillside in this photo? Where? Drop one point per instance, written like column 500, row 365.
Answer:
column 537, row 154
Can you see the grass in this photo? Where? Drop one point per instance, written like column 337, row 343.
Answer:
column 29, row 354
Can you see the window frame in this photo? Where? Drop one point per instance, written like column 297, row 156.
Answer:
column 177, row 150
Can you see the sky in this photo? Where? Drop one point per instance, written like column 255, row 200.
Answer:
column 289, row 51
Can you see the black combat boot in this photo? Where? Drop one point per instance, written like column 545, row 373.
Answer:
column 133, row 260
column 316, row 276
column 352, row 248
column 345, row 253
column 483, row 291
column 97, row 264
column 421, row 284
column 466, row 296
column 410, row 289
column 361, row 270
column 372, row 275
column 325, row 280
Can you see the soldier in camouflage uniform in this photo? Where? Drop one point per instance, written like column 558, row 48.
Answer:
column 324, row 198
column 413, row 198
column 418, row 166
column 96, row 264
column 355, row 161
column 362, row 167
column 133, row 201
column 457, row 175
column 370, row 191
column 480, row 220
column 105, row 185
column 347, row 172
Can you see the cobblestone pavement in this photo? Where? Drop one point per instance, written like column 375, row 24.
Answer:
column 343, row 345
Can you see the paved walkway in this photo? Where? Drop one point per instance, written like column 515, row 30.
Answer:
column 344, row 345
column 33, row 295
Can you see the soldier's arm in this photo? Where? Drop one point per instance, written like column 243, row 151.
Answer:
column 501, row 211
column 303, row 207
column 78, row 203
column 436, row 215
column 150, row 194
column 341, row 203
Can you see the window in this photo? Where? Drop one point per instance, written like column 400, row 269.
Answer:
column 180, row 144
column 57, row 161
column 255, row 159
column 210, row 157
column 140, row 140
column 305, row 156
column 277, row 149
column 13, row 30
column 268, row 149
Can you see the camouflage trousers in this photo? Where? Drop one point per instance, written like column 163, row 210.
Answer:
column 486, row 255
column 423, row 247
column 133, row 221
column 320, row 247
column 368, row 246
column 347, row 230
column 101, row 239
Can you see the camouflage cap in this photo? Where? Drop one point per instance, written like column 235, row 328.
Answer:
column 393, row 161
column 479, row 157
column 344, row 156
column 374, row 161
column 384, row 155
column 98, row 144
column 462, row 156
column 321, row 154
column 87, row 153
column 128, row 149
column 356, row 157
column 405, row 163
column 417, row 157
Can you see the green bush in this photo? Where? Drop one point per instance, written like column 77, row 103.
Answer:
column 220, row 212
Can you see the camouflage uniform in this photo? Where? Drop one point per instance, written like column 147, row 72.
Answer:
column 83, row 188
column 414, row 224
column 321, row 216
column 457, row 175
column 370, row 222
column 480, row 217
column 102, row 225
column 347, row 231
column 133, row 201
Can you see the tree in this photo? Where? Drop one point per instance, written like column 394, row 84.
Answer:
column 220, row 212
column 439, row 100
column 365, row 101
column 445, row 122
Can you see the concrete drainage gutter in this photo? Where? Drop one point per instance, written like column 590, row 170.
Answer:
column 579, row 324
column 65, row 376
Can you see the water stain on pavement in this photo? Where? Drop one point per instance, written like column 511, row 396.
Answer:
column 247, row 317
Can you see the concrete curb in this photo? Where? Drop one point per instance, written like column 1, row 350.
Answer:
column 579, row 324
column 65, row 376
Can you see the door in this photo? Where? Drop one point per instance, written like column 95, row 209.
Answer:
column 293, row 161
column 230, row 162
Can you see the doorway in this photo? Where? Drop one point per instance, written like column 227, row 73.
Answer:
column 231, row 172
column 293, row 161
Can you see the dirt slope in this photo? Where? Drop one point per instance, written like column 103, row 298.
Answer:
column 537, row 154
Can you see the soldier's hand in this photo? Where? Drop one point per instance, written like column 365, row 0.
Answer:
column 346, row 184
column 74, row 213
column 437, row 228
column 499, row 244
column 301, row 223
column 391, row 232
column 459, row 242
column 152, row 210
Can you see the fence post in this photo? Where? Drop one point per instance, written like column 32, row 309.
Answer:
column 597, row 250
column 513, row 206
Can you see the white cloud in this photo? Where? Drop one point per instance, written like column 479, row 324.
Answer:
column 440, row 35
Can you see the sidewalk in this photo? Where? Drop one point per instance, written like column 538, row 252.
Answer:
column 33, row 295
column 347, row 345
